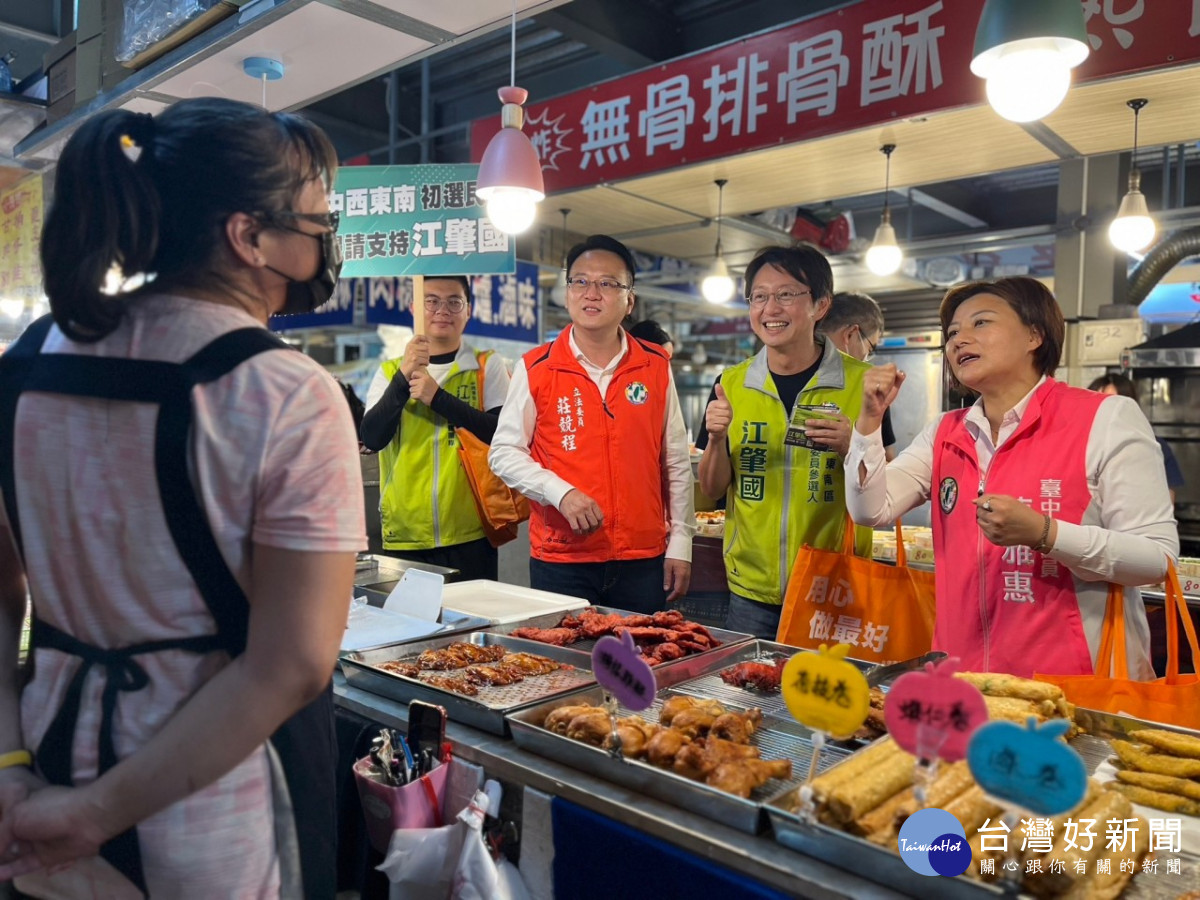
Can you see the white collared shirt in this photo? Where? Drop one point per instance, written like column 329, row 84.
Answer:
column 511, row 460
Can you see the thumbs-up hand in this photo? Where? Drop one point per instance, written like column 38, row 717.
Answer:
column 718, row 415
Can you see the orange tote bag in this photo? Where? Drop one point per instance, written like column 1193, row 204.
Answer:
column 885, row 611
column 1173, row 700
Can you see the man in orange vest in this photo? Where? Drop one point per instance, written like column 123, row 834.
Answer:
column 591, row 432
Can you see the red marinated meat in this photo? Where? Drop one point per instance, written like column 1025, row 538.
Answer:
column 559, row 637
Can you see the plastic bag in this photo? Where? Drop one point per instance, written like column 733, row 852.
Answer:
column 149, row 21
column 452, row 861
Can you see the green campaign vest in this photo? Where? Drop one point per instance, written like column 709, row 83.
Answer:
column 781, row 496
column 424, row 498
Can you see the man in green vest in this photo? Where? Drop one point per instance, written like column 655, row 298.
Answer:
column 413, row 406
column 774, row 435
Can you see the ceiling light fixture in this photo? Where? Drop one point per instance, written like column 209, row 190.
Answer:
column 1025, row 51
column 1133, row 229
column 510, row 173
column 884, row 255
column 718, row 285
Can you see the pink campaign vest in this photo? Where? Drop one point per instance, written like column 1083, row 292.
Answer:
column 1008, row 609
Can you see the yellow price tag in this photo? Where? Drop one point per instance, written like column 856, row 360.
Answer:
column 826, row 693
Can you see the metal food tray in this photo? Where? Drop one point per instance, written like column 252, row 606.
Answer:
column 883, row 866
column 778, row 737
column 486, row 710
column 551, row 620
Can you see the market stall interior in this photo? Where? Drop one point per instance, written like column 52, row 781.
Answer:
column 636, row 109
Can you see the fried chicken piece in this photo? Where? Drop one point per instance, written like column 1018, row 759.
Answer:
column 661, row 653
column 668, row 618
column 396, row 667
column 763, row 676
column 649, row 635
column 701, row 757
column 692, row 646
column 454, row 683
column 596, row 625
column 736, row 727
column 491, row 675
column 532, row 664
column 694, row 722
column 663, row 746
column 558, row 719
column 678, row 704
column 741, row 777
column 459, row 655
column 559, row 637
column 634, row 732
column 590, row 727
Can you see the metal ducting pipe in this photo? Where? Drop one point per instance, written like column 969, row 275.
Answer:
column 1170, row 250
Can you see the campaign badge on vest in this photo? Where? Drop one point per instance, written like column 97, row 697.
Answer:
column 636, row 393
column 948, row 494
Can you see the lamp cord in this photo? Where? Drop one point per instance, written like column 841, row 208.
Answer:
column 720, row 214
column 512, row 70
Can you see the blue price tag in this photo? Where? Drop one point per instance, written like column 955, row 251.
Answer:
column 621, row 670
column 1028, row 766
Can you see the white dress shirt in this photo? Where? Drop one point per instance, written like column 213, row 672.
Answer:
column 511, row 460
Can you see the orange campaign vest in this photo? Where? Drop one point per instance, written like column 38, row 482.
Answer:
column 1009, row 609
column 609, row 447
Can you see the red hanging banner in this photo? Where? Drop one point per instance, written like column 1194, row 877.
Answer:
column 861, row 65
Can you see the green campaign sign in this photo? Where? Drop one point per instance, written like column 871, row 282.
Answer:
column 416, row 220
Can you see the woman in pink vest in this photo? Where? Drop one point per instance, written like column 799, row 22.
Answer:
column 1043, row 494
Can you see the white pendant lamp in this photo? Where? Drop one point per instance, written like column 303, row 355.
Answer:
column 884, row 255
column 510, row 174
column 1025, row 50
column 718, row 285
column 1133, row 229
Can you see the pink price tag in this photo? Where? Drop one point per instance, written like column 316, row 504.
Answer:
column 933, row 714
column 620, row 669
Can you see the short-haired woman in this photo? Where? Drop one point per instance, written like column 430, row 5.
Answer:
column 1042, row 493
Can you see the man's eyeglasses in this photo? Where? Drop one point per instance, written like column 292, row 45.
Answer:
column 329, row 220
column 453, row 304
column 785, row 297
column 606, row 286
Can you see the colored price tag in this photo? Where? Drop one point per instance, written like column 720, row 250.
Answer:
column 1028, row 766
column 620, row 669
column 826, row 693
column 931, row 714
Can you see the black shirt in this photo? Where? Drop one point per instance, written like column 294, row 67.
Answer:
column 787, row 386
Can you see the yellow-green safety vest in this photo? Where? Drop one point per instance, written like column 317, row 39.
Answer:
column 781, row 496
column 424, row 498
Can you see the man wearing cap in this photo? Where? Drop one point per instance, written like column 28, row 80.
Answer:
column 592, row 433
column 426, row 507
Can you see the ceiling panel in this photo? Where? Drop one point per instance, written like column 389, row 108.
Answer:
column 460, row 16
column 1094, row 118
column 304, row 41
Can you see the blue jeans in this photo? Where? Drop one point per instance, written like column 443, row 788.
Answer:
column 632, row 584
column 752, row 617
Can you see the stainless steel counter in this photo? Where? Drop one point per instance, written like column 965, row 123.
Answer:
column 759, row 857
column 1155, row 597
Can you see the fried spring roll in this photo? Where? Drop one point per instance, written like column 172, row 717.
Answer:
column 850, row 799
column 1108, row 887
column 854, row 767
column 1184, row 787
column 995, row 684
column 1106, row 805
column 972, row 807
column 1135, row 756
column 886, row 818
column 1158, row 799
column 1169, row 742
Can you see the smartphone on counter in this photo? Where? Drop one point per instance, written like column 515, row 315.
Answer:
column 426, row 727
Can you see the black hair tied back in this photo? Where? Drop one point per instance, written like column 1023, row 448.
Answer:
column 139, row 136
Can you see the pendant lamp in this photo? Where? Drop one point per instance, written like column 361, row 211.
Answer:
column 1133, row 229
column 718, row 285
column 510, row 173
column 1025, row 50
column 884, row 255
